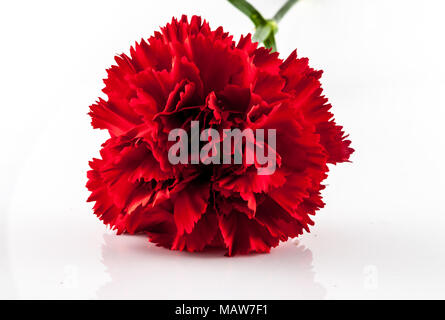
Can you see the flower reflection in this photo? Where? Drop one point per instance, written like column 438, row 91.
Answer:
column 140, row 270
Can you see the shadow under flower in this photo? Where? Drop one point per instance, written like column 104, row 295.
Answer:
column 140, row 270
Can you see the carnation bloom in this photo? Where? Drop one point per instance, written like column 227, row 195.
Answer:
column 187, row 72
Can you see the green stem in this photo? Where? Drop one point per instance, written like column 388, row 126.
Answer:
column 250, row 11
column 284, row 9
column 265, row 29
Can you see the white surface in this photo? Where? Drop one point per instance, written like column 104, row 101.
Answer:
column 381, row 234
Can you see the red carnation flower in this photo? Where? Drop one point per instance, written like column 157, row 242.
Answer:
column 187, row 72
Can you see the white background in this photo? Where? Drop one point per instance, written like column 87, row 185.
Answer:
column 382, row 233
